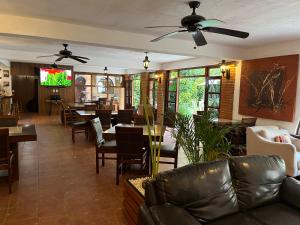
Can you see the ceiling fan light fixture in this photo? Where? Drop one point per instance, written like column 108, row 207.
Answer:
column 146, row 61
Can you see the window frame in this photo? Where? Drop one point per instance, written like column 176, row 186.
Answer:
column 207, row 79
column 94, row 85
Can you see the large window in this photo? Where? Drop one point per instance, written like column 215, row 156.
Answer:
column 91, row 87
column 191, row 90
column 153, row 85
column 136, row 89
column 214, row 90
column 195, row 89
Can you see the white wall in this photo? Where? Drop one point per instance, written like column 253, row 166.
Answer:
column 201, row 61
column 278, row 49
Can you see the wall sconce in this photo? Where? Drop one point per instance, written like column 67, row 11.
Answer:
column 105, row 70
column 146, row 61
column 225, row 70
column 158, row 78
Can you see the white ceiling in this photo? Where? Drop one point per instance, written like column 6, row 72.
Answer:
column 27, row 49
column 267, row 21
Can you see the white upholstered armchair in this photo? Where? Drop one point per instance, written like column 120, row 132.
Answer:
column 260, row 141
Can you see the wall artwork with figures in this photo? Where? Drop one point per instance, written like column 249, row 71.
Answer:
column 268, row 87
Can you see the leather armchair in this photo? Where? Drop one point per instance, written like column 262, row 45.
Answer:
column 248, row 190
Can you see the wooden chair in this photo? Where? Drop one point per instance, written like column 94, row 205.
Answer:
column 80, row 127
column 8, row 121
column 169, row 149
column 89, row 107
column 6, row 156
column 125, row 116
column 67, row 115
column 130, row 147
column 249, row 122
column 105, row 118
column 102, row 146
column 141, row 120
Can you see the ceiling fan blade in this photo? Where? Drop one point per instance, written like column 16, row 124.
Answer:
column 234, row 33
column 199, row 38
column 77, row 59
column 168, row 35
column 43, row 56
column 210, row 23
column 163, row 26
column 81, row 57
column 59, row 59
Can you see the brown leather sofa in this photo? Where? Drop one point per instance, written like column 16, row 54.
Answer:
column 247, row 190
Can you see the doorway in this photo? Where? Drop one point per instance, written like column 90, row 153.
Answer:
column 26, row 92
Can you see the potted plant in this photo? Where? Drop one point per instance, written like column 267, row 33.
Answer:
column 200, row 138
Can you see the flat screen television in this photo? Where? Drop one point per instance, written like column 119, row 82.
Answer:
column 52, row 77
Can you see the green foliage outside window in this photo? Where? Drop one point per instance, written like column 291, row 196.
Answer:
column 192, row 72
column 191, row 95
column 136, row 82
column 173, row 74
column 215, row 72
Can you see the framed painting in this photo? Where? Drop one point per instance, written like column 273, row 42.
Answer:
column 268, row 87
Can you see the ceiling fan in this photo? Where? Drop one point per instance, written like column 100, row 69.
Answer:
column 195, row 24
column 65, row 53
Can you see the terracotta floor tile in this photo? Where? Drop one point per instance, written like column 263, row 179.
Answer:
column 58, row 184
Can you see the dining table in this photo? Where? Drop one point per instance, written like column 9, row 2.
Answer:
column 156, row 131
column 87, row 114
column 17, row 134
column 79, row 106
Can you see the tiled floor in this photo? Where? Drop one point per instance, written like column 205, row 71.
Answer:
column 58, row 184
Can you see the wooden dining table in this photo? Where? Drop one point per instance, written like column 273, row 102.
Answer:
column 79, row 106
column 110, row 134
column 17, row 134
column 87, row 114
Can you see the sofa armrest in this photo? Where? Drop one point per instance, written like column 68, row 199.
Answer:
column 168, row 214
column 290, row 191
column 144, row 216
column 257, row 145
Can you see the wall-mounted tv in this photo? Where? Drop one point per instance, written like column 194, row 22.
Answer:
column 52, row 77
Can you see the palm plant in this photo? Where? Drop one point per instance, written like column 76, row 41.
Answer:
column 154, row 145
column 200, row 138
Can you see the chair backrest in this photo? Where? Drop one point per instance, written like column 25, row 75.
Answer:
column 8, row 121
column 89, row 107
column 129, row 140
column 125, row 116
column 4, row 143
column 105, row 117
column 140, row 120
column 96, row 124
column 101, row 101
column 249, row 122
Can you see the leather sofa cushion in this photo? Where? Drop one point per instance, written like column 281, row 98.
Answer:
column 276, row 214
column 236, row 219
column 257, row 179
column 168, row 214
column 290, row 192
column 205, row 190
